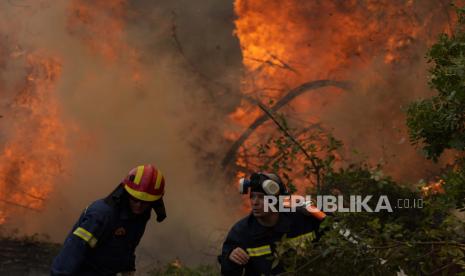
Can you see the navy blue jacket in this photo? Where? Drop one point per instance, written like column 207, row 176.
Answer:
column 102, row 242
column 260, row 242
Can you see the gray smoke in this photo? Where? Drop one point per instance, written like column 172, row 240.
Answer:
column 170, row 118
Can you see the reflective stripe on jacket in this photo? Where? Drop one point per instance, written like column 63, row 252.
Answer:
column 102, row 242
column 260, row 242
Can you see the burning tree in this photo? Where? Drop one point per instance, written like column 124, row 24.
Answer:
column 301, row 58
column 35, row 153
column 421, row 241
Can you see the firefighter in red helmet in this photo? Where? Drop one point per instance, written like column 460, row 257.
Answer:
column 104, row 239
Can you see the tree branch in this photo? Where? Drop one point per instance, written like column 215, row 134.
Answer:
column 284, row 130
column 18, row 205
column 205, row 81
column 292, row 94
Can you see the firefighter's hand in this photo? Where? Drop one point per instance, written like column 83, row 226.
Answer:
column 239, row 256
column 128, row 273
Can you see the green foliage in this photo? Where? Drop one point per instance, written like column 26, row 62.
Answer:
column 454, row 185
column 438, row 123
column 306, row 157
column 416, row 240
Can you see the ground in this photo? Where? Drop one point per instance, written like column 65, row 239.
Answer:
column 26, row 256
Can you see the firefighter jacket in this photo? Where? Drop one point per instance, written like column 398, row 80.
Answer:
column 260, row 242
column 102, row 242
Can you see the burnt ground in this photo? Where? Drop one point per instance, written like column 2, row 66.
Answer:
column 26, row 256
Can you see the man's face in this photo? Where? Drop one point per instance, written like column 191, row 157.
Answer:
column 138, row 206
column 256, row 201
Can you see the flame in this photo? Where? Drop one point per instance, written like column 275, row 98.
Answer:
column 287, row 43
column 101, row 26
column 433, row 187
column 2, row 217
column 321, row 38
column 35, row 156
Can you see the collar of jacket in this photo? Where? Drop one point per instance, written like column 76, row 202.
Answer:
column 282, row 226
column 125, row 213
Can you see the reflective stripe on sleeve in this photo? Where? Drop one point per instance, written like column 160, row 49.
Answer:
column 308, row 236
column 86, row 236
column 259, row 251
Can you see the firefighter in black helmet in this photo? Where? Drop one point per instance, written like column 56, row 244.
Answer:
column 251, row 242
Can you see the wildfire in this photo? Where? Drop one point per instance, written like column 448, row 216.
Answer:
column 287, row 43
column 434, row 187
column 35, row 155
column 101, row 26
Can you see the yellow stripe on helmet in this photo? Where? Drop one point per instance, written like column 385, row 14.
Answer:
column 139, row 173
column 159, row 178
column 141, row 195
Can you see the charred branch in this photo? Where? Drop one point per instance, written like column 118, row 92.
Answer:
column 280, row 64
column 310, row 158
column 292, row 94
column 11, row 203
column 278, row 155
column 205, row 81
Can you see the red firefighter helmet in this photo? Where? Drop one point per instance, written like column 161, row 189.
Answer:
column 145, row 183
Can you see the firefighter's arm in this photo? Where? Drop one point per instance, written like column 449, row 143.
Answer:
column 84, row 235
column 312, row 218
column 310, row 210
column 232, row 251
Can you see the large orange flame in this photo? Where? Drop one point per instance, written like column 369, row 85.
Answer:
column 35, row 155
column 287, row 43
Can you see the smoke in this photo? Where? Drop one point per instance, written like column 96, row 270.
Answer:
column 145, row 82
column 378, row 46
column 129, row 95
column 370, row 119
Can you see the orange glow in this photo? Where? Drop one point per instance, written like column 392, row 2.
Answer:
column 2, row 217
column 287, row 43
column 245, row 115
column 434, row 187
column 101, row 25
column 35, row 157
